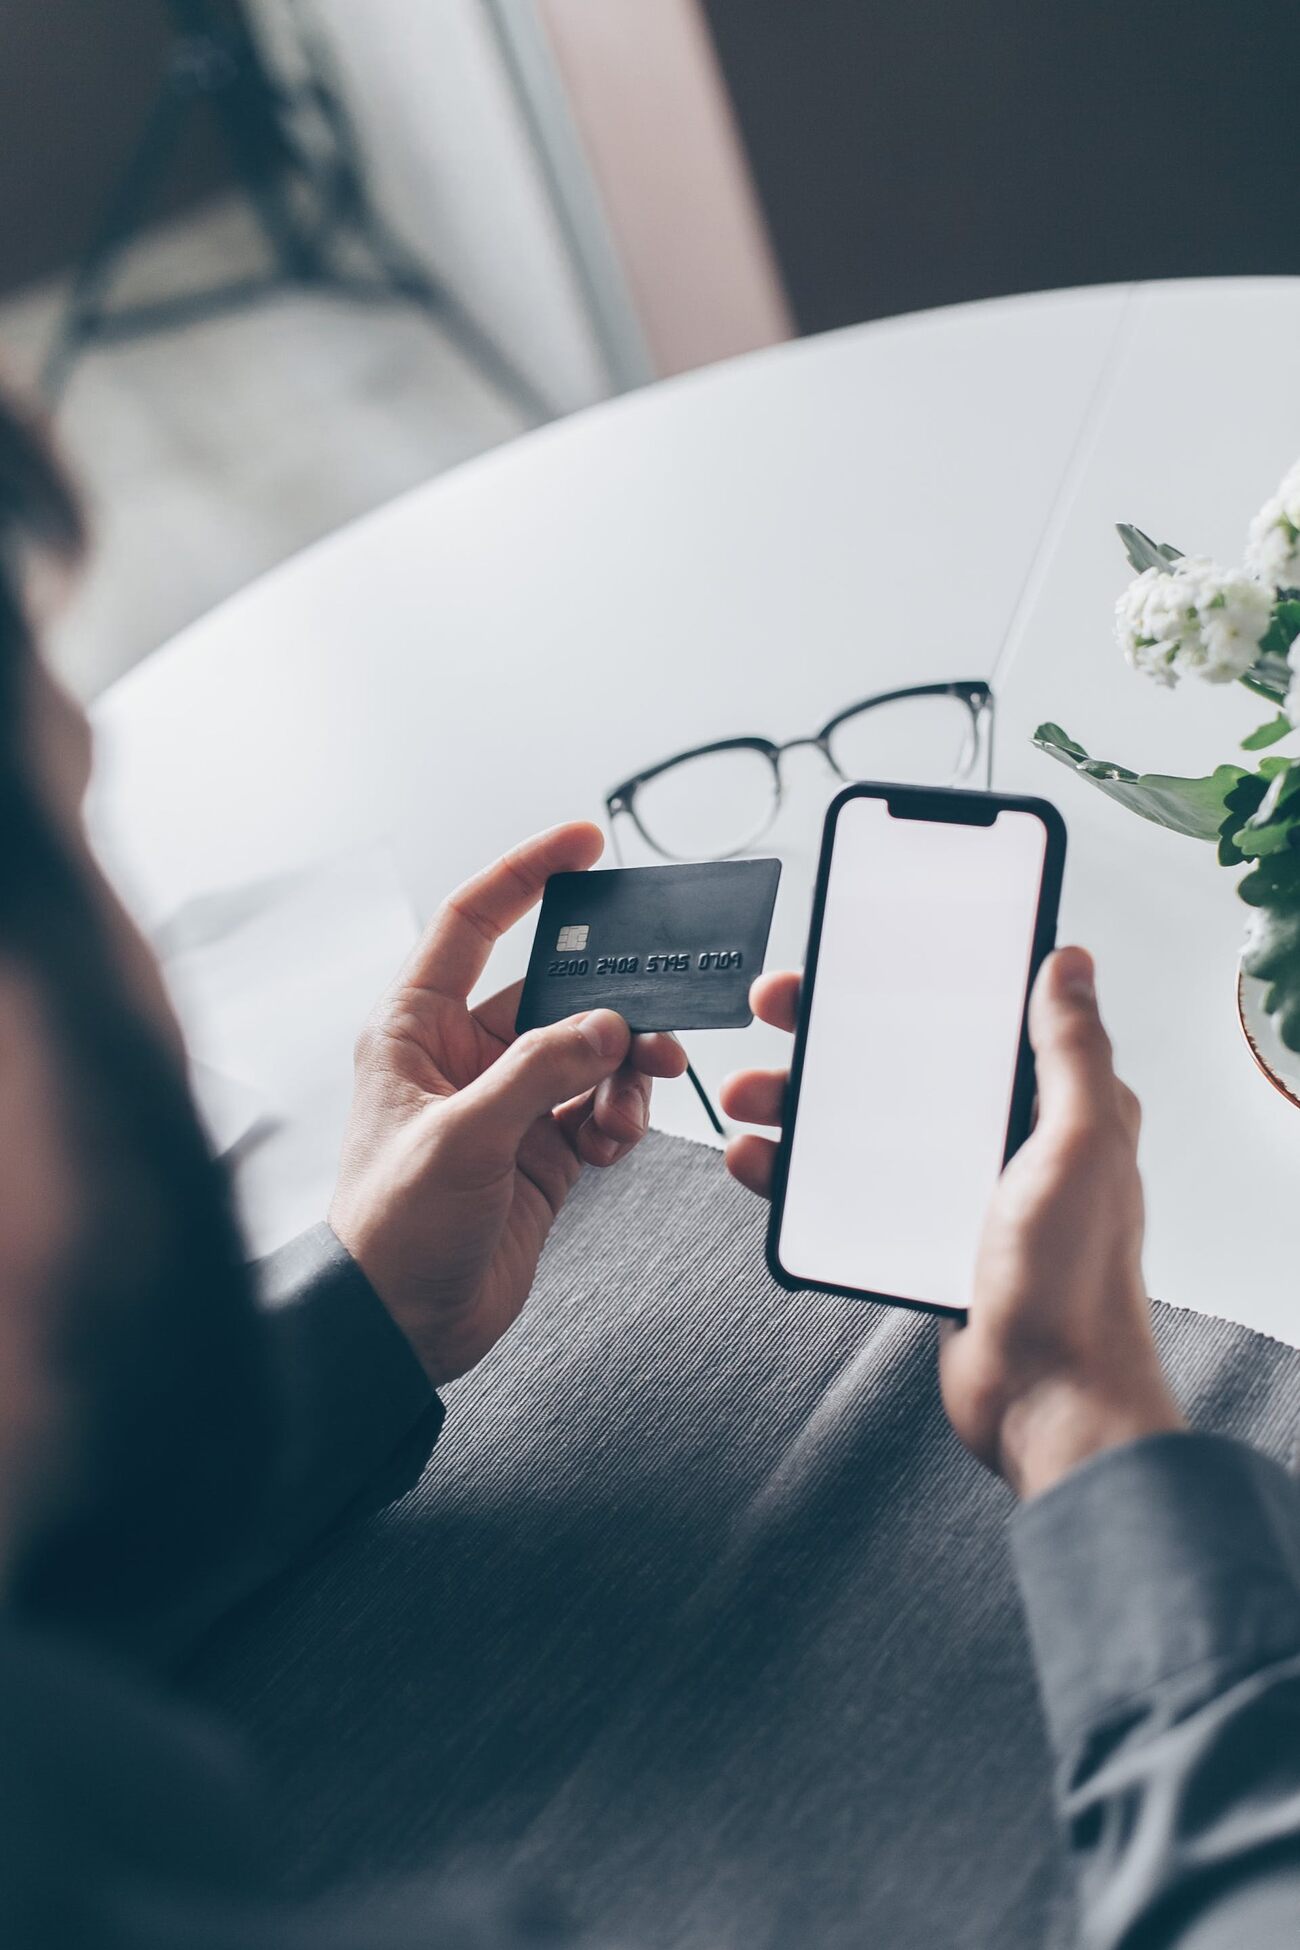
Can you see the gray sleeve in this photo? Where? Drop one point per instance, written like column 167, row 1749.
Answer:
column 360, row 1415
column 358, row 1422
column 1161, row 1584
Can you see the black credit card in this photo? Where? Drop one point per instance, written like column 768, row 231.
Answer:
column 668, row 947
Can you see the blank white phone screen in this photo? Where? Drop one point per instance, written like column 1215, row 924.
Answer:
column 913, row 1036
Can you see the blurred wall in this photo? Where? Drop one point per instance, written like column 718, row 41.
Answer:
column 571, row 167
column 452, row 167
column 650, row 105
column 919, row 154
column 77, row 78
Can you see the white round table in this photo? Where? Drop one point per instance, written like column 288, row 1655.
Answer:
column 744, row 550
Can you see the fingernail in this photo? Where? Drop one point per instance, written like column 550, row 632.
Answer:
column 1075, row 976
column 605, row 1031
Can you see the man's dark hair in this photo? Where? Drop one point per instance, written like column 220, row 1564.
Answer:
column 156, row 1353
column 40, row 515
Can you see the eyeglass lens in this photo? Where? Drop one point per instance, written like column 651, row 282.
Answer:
column 711, row 806
column 719, row 803
column 916, row 740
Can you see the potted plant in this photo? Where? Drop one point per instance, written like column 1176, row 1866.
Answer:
column 1186, row 616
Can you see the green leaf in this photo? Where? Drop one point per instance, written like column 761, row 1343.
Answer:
column 1267, row 734
column 1142, row 552
column 1258, row 842
column 1270, row 674
column 1197, row 807
column 1269, row 804
column 1273, row 950
column 1283, row 776
column 1274, row 820
column 1274, row 956
column 1268, row 678
column 1283, row 630
column 1274, row 883
column 1243, row 800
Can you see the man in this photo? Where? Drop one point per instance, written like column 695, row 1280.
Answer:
column 164, row 1445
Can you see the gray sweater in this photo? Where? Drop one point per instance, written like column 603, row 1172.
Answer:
column 1162, row 1589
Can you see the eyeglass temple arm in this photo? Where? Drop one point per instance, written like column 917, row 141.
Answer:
column 612, row 811
column 705, row 1099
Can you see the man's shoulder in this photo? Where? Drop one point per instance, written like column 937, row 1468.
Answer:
column 105, row 1782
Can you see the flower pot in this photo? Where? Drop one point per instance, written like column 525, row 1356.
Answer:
column 1279, row 1064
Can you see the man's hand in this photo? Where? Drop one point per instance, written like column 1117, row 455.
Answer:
column 463, row 1142
column 1056, row 1361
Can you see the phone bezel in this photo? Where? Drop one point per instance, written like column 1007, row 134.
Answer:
column 949, row 806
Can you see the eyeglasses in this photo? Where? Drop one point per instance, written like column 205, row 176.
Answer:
column 715, row 801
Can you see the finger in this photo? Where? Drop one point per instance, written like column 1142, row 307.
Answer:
column 1130, row 1111
column 539, row 1071
column 571, row 1117
column 549, row 1161
column 595, row 1148
column 775, row 998
column 752, row 1162
column 755, row 1096
column 658, row 1055
column 497, row 1014
column 619, row 1129
column 1076, row 1077
column 457, row 942
column 620, row 1109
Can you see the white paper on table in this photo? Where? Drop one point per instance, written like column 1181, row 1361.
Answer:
column 271, row 981
column 232, row 1111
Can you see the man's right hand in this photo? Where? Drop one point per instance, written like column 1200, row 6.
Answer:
column 1056, row 1361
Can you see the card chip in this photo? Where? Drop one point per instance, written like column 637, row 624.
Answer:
column 570, row 940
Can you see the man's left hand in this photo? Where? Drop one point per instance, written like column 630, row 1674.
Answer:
column 464, row 1141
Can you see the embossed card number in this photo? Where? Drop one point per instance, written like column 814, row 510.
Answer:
column 720, row 959
column 668, row 947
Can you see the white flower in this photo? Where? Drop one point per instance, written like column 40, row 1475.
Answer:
column 1273, row 548
column 1192, row 616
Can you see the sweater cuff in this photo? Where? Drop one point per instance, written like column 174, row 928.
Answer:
column 362, row 1414
column 1173, row 1558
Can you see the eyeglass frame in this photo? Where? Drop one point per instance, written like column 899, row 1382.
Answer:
column 975, row 693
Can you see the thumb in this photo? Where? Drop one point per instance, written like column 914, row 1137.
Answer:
column 1076, row 1076
column 539, row 1071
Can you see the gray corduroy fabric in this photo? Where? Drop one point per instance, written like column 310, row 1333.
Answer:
column 699, row 1610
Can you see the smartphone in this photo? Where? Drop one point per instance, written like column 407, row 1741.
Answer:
column 912, row 1080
